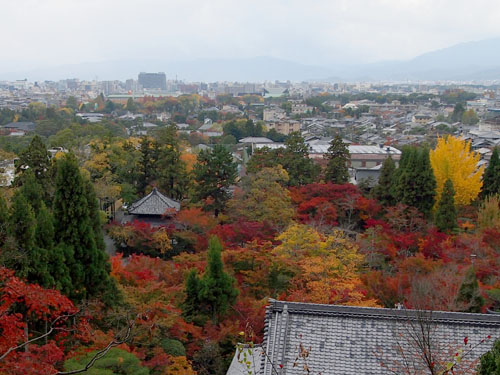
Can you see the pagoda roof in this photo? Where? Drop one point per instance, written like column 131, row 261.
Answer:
column 155, row 203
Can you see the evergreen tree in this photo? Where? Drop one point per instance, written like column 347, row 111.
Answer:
column 4, row 220
column 469, row 297
column 446, row 213
column 22, row 227
column 217, row 290
column 76, row 221
column 37, row 158
column 147, row 165
column 491, row 177
column 383, row 190
column 44, row 242
column 490, row 361
column 427, row 183
column 191, row 304
column 338, row 157
column 171, row 169
column 416, row 184
column 32, row 190
column 214, row 173
column 301, row 169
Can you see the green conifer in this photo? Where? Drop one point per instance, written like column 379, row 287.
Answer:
column 416, row 184
column 491, row 177
column 446, row 213
column 217, row 287
column 469, row 298
column 214, row 173
column 171, row 169
column 383, row 190
column 4, row 220
column 338, row 157
column 32, row 190
column 295, row 160
column 490, row 361
column 76, row 223
column 191, row 304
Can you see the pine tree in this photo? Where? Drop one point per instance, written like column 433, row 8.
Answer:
column 191, row 304
column 446, row 213
column 295, row 160
column 32, row 190
column 76, row 221
column 491, row 177
column 426, row 188
column 383, row 190
column 415, row 185
column 217, row 287
column 469, row 298
column 4, row 220
column 57, row 272
column 172, row 170
column 22, row 227
column 147, row 165
column 214, row 173
column 338, row 157
column 490, row 361
column 37, row 158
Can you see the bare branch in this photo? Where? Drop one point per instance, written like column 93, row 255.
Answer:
column 48, row 333
column 101, row 353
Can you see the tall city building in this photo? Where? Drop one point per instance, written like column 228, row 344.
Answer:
column 153, row 80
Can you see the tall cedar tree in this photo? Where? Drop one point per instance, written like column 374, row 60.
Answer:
column 469, row 296
column 490, row 361
column 77, row 228
column 217, row 290
column 191, row 304
column 32, row 190
column 491, row 177
column 172, row 175
column 416, row 184
column 147, row 164
column 4, row 220
column 446, row 213
column 214, row 173
column 37, row 158
column 301, row 169
column 22, row 226
column 54, row 255
column 338, row 157
column 383, row 190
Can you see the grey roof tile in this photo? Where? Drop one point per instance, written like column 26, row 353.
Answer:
column 155, row 203
column 355, row 340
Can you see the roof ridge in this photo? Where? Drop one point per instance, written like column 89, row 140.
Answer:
column 382, row 313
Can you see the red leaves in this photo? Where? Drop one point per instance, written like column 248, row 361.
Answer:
column 39, row 304
column 466, row 340
column 238, row 233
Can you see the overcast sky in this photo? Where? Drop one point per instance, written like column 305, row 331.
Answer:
column 56, row 32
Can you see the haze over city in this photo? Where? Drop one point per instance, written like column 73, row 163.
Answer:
column 40, row 35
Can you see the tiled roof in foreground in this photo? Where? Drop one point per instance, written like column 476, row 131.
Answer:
column 155, row 203
column 346, row 340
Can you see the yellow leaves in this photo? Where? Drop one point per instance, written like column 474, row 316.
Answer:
column 162, row 241
column 328, row 266
column 179, row 366
column 188, row 159
column 452, row 159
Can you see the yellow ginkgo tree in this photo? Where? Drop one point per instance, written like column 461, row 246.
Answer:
column 454, row 160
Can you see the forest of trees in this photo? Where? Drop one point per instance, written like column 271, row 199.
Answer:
column 176, row 298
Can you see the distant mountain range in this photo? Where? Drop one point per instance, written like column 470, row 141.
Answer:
column 472, row 61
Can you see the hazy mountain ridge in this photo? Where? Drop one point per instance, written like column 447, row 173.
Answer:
column 465, row 61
